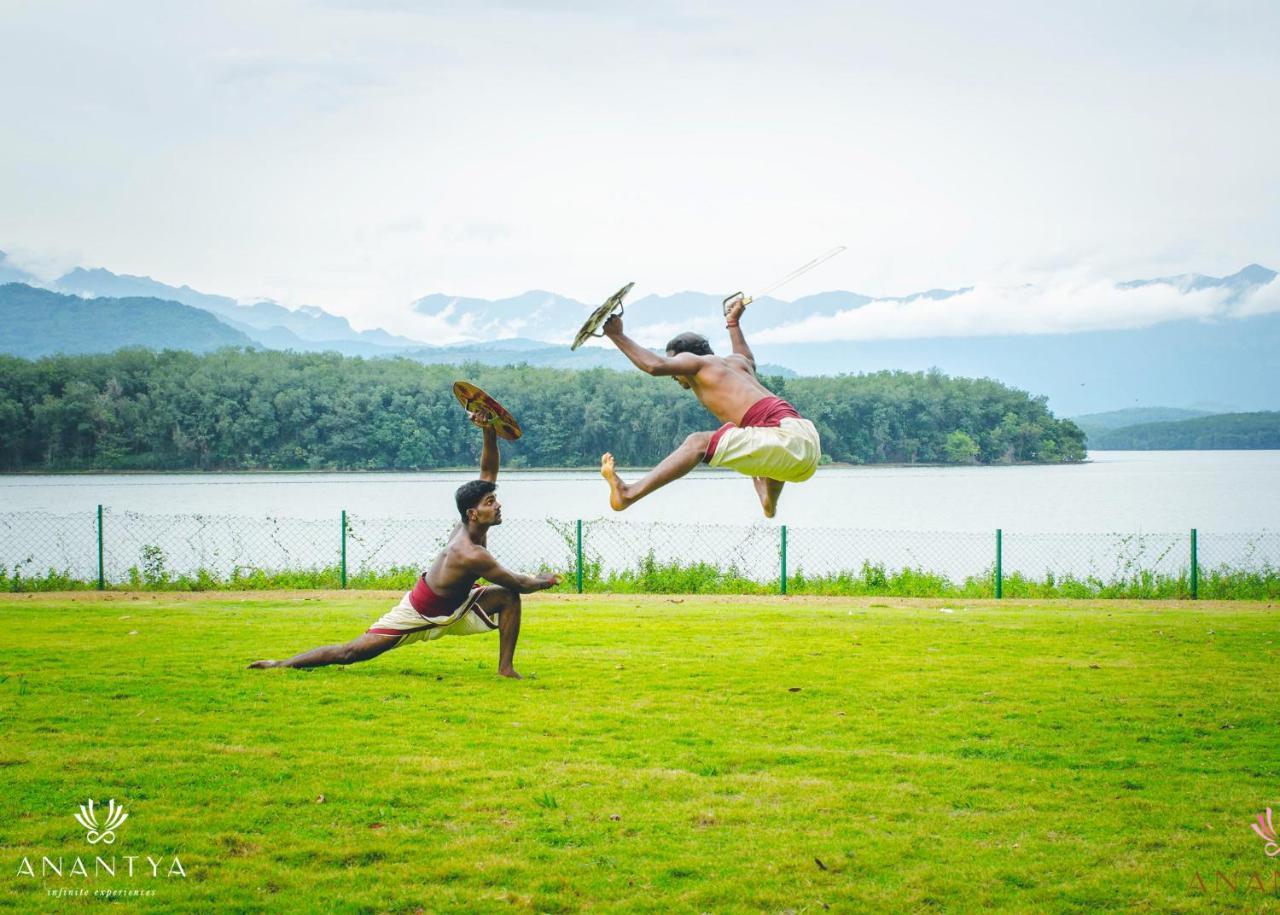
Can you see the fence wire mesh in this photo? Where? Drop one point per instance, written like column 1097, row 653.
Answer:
column 880, row 556
column 1099, row 557
column 200, row 550
column 34, row 543
column 154, row 549
column 749, row 554
column 380, row 545
column 1257, row 553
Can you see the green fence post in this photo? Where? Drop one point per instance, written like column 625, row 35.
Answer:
column 579, row 555
column 1195, row 568
column 344, row 548
column 102, row 572
column 999, row 564
column 784, row 559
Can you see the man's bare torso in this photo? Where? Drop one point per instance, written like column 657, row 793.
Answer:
column 727, row 387
column 451, row 574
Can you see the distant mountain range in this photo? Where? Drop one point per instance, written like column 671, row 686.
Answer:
column 1094, row 424
column 37, row 322
column 1218, row 365
column 1228, row 431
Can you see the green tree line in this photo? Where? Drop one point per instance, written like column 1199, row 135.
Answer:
column 238, row 409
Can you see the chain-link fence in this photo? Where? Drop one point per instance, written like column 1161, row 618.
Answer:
column 131, row 550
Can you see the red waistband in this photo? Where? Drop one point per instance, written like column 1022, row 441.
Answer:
column 428, row 603
column 765, row 412
column 768, row 411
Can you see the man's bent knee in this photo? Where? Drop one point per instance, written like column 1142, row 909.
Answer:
column 501, row 601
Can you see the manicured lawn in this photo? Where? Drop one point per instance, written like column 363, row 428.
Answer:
column 705, row 754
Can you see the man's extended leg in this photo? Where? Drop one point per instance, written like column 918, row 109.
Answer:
column 673, row 467
column 506, row 604
column 768, row 490
column 362, row 648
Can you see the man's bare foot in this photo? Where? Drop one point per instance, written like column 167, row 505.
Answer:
column 509, row 672
column 768, row 499
column 259, row 665
column 617, row 489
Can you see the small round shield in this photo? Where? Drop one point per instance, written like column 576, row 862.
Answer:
column 591, row 327
column 486, row 411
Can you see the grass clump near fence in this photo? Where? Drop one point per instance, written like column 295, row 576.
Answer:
column 649, row 576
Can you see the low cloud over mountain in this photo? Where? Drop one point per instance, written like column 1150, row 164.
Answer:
column 1062, row 307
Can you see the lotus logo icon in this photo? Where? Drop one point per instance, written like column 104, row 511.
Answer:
column 1267, row 831
column 88, row 818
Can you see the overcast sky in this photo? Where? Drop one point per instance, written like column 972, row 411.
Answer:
column 357, row 156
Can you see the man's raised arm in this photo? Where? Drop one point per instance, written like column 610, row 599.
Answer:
column 489, row 455
column 739, row 342
column 646, row 360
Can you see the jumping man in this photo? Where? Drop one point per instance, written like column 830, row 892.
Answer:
column 763, row 436
column 446, row 600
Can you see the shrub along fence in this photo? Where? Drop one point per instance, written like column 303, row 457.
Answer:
column 121, row 549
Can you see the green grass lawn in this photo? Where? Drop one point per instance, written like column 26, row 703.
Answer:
column 703, row 755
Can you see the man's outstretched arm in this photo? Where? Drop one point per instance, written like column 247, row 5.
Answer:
column 646, row 360
column 739, row 342
column 485, row 566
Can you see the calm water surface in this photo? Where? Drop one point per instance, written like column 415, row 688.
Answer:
column 1114, row 491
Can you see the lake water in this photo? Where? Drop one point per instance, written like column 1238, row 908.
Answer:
column 1113, row 491
column 1119, row 512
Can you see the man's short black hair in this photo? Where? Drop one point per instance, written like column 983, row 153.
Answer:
column 689, row 342
column 469, row 495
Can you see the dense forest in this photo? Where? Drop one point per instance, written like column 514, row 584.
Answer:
column 238, row 409
column 1226, row 431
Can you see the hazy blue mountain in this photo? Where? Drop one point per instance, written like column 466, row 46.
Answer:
column 37, row 322
column 547, row 315
column 1133, row 416
column 1239, row 282
column 307, row 323
column 508, row 344
column 1232, row 362
column 103, row 283
column 285, row 339
column 1230, row 431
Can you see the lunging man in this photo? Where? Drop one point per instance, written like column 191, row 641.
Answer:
column 446, row 599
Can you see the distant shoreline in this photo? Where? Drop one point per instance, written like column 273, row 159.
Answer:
column 835, row 465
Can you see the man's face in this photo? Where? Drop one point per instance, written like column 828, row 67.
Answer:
column 682, row 380
column 489, row 511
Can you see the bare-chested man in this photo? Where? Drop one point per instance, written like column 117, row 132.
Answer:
column 446, row 600
column 763, row 436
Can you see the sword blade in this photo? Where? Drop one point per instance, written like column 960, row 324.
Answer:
column 820, row 259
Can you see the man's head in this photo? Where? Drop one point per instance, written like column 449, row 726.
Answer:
column 477, row 502
column 688, row 342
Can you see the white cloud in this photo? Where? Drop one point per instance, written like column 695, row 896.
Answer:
column 1059, row 307
column 1263, row 300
